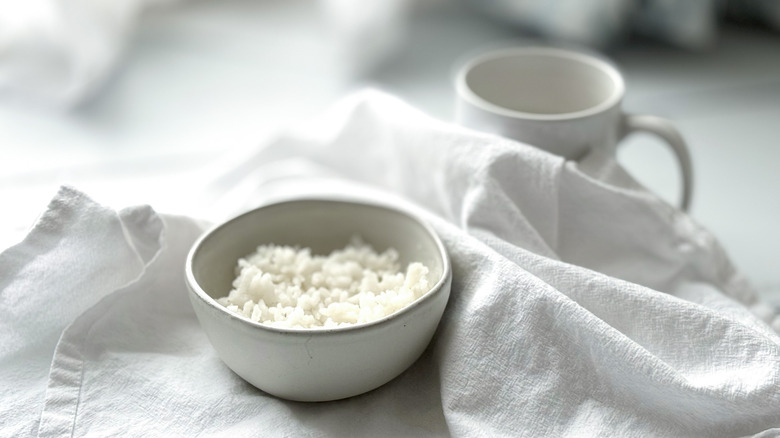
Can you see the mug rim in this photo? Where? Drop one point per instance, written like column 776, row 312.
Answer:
column 465, row 92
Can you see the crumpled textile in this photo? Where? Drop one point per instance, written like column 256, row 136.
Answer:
column 580, row 306
column 61, row 52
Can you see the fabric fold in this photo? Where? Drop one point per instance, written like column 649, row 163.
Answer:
column 580, row 306
column 76, row 253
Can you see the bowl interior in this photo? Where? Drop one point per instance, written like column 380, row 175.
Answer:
column 321, row 225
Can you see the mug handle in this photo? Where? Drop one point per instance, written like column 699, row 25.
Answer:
column 664, row 129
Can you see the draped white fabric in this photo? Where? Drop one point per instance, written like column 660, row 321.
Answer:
column 582, row 304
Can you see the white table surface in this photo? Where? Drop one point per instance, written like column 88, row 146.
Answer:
column 203, row 79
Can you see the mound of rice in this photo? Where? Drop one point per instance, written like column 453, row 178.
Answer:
column 286, row 286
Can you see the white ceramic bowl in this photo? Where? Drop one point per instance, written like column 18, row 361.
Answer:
column 317, row 364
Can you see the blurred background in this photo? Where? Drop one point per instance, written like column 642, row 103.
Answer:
column 142, row 101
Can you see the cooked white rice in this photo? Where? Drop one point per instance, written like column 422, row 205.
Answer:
column 286, row 286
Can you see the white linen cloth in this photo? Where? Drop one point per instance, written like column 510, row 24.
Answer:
column 62, row 51
column 581, row 306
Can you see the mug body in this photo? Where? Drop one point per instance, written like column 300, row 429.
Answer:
column 562, row 101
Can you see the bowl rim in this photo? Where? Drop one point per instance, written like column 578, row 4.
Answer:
column 445, row 278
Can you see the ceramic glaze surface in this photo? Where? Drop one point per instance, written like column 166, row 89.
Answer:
column 317, row 364
column 565, row 102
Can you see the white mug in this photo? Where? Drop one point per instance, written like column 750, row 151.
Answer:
column 562, row 101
